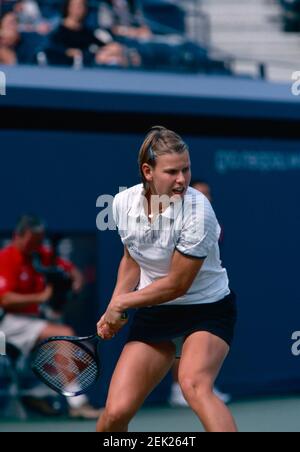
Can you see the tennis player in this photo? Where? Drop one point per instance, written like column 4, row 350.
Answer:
column 170, row 234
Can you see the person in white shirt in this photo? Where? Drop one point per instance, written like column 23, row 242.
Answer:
column 172, row 275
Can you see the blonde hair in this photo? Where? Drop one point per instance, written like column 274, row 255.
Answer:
column 159, row 141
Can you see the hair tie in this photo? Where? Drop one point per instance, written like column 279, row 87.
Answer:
column 151, row 154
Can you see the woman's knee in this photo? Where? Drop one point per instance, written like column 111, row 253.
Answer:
column 198, row 385
column 117, row 415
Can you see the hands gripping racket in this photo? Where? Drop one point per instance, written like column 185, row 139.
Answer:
column 68, row 365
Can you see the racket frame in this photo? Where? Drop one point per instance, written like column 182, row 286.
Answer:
column 79, row 341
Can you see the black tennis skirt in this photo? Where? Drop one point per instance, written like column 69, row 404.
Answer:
column 176, row 322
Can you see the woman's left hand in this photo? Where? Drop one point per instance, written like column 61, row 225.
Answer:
column 111, row 322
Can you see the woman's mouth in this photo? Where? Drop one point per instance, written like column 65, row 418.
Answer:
column 178, row 190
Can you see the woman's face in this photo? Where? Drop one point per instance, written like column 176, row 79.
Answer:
column 171, row 175
column 77, row 9
column 9, row 30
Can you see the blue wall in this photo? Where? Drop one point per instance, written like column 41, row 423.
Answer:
column 255, row 188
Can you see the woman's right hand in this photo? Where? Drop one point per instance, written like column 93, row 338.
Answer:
column 105, row 331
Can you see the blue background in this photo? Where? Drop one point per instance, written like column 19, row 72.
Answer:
column 60, row 175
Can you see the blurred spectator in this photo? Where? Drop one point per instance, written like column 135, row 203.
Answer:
column 30, row 18
column 73, row 41
column 9, row 39
column 166, row 51
column 23, row 290
column 123, row 18
column 203, row 187
column 16, row 47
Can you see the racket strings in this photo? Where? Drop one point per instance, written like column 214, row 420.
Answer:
column 66, row 366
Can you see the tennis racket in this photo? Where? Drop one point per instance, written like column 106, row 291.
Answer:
column 68, row 365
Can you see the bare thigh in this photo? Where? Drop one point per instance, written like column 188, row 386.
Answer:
column 203, row 355
column 140, row 368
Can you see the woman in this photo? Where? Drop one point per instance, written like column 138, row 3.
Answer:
column 9, row 38
column 16, row 47
column 170, row 234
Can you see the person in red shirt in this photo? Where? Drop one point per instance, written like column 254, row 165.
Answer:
column 23, row 291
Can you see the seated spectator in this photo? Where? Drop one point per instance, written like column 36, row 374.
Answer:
column 23, row 290
column 126, row 22
column 30, row 18
column 73, row 40
column 9, row 39
column 16, row 47
column 124, row 18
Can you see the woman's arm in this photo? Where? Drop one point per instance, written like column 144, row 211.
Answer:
column 128, row 276
column 128, row 279
column 183, row 271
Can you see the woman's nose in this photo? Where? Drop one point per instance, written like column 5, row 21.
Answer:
column 180, row 178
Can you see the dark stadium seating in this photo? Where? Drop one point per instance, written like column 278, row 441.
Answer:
column 164, row 17
column 291, row 15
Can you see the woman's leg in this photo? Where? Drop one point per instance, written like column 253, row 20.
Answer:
column 202, row 357
column 140, row 368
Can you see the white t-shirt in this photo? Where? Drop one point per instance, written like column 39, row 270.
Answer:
column 189, row 226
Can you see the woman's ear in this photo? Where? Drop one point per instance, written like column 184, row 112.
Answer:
column 147, row 172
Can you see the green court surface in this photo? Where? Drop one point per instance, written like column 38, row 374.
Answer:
column 255, row 415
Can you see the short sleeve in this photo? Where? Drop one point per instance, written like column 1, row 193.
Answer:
column 120, row 208
column 200, row 230
column 115, row 211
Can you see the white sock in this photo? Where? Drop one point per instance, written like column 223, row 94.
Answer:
column 76, row 402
